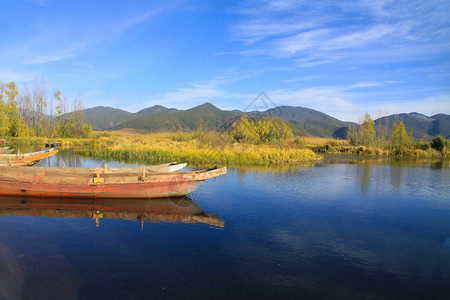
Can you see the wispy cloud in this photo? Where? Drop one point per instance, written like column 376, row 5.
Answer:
column 324, row 31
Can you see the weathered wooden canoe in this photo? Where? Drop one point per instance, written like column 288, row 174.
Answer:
column 25, row 159
column 183, row 210
column 55, row 182
column 6, row 150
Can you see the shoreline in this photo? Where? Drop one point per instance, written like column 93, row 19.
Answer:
column 212, row 148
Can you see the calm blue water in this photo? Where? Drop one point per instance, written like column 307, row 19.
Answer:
column 340, row 229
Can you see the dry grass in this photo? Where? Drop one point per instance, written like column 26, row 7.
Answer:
column 200, row 148
column 318, row 141
column 206, row 148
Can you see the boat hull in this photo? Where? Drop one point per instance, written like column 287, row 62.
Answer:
column 25, row 159
column 50, row 183
column 130, row 190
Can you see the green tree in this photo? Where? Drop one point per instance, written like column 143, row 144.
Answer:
column 17, row 125
column 399, row 137
column 70, row 124
column 260, row 132
column 4, row 118
column 244, row 131
column 368, row 130
column 40, row 122
column 350, row 136
column 86, row 130
column 61, row 120
column 438, row 143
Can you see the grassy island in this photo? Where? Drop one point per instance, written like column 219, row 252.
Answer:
column 213, row 148
column 199, row 148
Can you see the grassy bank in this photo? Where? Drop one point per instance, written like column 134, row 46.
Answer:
column 197, row 148
column 212, row 148
column 419, row 149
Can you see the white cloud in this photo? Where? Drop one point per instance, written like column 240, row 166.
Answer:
column 329, row 31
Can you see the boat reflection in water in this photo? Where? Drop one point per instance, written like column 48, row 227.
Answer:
column 182, row 209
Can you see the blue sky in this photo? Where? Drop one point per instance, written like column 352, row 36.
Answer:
column 340, row 57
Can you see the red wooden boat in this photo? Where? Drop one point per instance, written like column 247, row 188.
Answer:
column 183, row 210
column 58, row 182
column 25, row 159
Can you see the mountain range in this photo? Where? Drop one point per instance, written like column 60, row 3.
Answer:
column 303, row 121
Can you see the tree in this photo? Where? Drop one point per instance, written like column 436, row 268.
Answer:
column 61, row 120
column 40, row 121
column 382, row 128
column 368, row 130
column 244, row 131
column 350, row 135
column 260, row 132
column 70, row 124
column 438, row 143
column 399, row 137
column 17, row 126
column 4, row 118
column 86, row 130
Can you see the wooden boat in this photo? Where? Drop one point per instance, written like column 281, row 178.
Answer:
column 5, row 150
column 52, row 145
column 61, row 182
column 25, row 159
column 183, row 210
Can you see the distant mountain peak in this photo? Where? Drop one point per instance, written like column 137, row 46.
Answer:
column 154, row 110
column 420, row 117
column 205, row 106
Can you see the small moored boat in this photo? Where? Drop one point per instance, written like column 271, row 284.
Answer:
column 125, row 183
column 6, row 150
column 25, row 159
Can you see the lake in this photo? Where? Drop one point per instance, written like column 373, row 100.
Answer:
column 345, row 228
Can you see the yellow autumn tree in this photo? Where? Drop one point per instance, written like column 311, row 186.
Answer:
column 399, row 136
column 261, row 131
column 17, row 126
column 368, row 130
column 4, row 119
